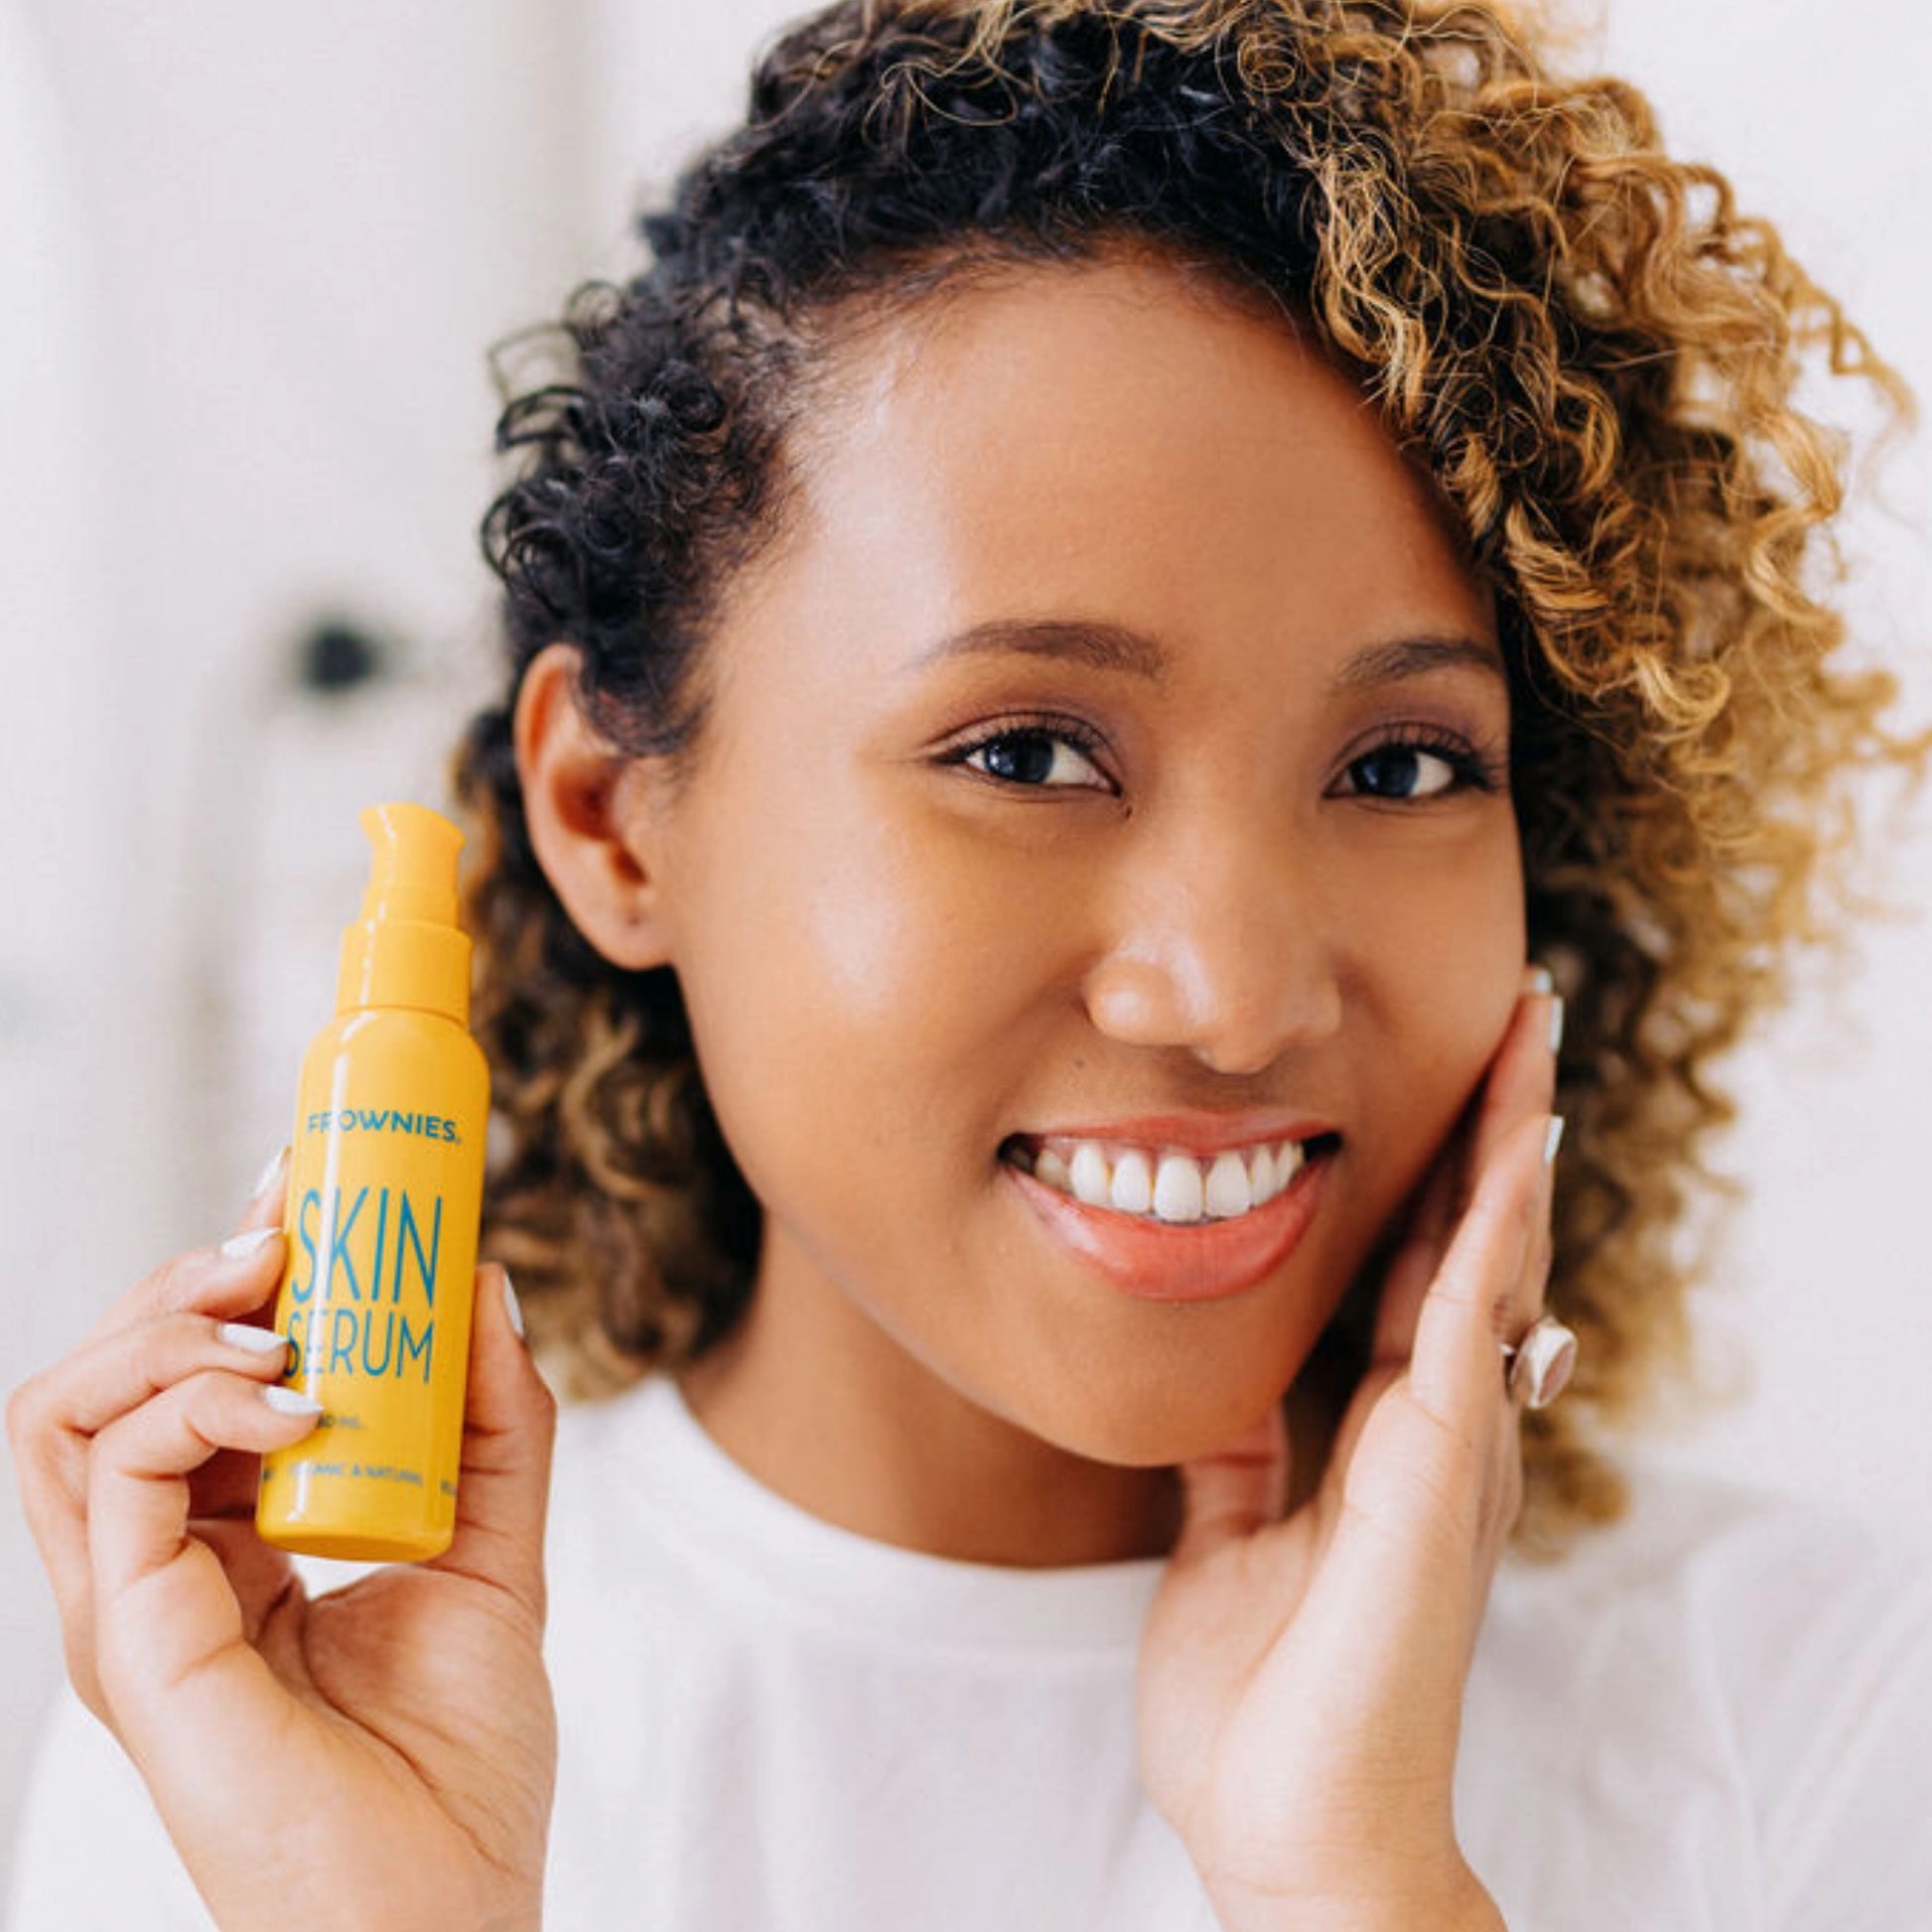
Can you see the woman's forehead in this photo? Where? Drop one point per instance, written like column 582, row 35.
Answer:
column 1107, row 428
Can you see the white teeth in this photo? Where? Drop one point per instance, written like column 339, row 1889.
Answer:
column 1178, row 1194
column 1086, row 1174
column 1290, row 1158
column 1261, row 1181
column 1133, row 1188
column 1172, row 1187
column 1228, row 1192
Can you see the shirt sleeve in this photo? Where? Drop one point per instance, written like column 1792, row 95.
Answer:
column 90, row 1853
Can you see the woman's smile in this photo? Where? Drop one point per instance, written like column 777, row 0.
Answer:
column 1141, row 1175
column 1166, row 1224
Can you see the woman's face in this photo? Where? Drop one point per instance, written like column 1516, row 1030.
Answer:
column 1112, row 766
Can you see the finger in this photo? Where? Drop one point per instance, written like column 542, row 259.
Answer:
column 268, row 1198
column 52, row 1416
column 163, row 1605
column 1520, row 1079
column 1235, row 1491
column 1399, row 1305
column 267, row 1207
column 1470, row 1308
column 1434, row 1478
column 508, row 1432
column 138, row 1466
column 1532, row 1294
column 1519, row 1082
column 1430, row 1224
column 102, row 1380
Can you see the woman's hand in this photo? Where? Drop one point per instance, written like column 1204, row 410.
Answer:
column 382, row 1756
column 1300, row 1681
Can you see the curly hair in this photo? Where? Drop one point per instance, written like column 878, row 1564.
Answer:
column 1589, row 346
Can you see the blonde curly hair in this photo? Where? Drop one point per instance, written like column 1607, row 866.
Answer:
column 1590, row 347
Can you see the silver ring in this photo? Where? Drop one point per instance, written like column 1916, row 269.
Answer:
column 1541, row 1363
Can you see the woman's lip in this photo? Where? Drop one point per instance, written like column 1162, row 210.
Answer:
column 1195, row 1261
column 1204, row 1135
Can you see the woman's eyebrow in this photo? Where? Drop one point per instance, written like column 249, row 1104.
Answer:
column 1106, row 646
column 1405, row 657
column 1093, row 641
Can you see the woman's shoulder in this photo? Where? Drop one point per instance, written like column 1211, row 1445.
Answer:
column 1717, row 1543
column 1765, row 1596
column 1729, row 1691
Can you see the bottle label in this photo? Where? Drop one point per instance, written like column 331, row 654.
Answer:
column 384, row 1201
column 383, row 1120
column 361, row 1290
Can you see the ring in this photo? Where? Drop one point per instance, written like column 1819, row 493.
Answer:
column 1542, row 1362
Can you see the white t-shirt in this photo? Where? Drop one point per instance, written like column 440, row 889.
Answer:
column 1715, row 1717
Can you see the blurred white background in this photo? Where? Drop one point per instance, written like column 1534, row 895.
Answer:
column 250, row 258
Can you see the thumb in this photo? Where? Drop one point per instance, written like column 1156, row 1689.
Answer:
column 1235, row 1491
column 509, row 1428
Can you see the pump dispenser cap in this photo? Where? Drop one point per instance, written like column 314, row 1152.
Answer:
column 408, row 950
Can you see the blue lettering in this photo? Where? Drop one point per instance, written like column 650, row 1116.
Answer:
column 415, row 1346
column 311, row 1204
column 389, row 1120
column 338, row 1247
column 335, row 1291
column 381, row 1234
column 341, row 1341
column 388, row 1342
column 408, row 1231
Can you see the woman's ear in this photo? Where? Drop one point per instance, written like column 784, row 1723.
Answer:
column 593, row 815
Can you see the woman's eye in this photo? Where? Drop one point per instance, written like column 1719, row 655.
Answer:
column 1407, row 771
column 1032, row 757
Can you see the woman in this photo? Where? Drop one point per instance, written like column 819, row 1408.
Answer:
column 1122, row 571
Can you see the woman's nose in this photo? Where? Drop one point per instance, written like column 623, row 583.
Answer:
column 1230, row 959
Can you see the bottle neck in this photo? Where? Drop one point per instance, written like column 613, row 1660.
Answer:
column 405, row 963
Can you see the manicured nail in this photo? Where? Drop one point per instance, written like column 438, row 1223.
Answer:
column 1556, row 1023
column 510, row 1307
column 291, row 1401
column 271, row 1174
column 242, row 1334
column 1537, row 979
column 1553, row 1138
column 243, row 1247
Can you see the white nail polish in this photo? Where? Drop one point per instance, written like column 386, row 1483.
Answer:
column 240, row 1334
column 510, row 1307
column 1556, row 1024
column 1553, row 1139
column 239, row 1247
column 291, row 1401
column 1537, row 979
column 269, row 1173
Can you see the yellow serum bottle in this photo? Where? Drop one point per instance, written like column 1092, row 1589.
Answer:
column 384, row 1208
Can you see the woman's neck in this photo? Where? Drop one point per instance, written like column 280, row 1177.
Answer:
column 819, row 1407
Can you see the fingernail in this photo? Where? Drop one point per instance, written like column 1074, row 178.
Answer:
column 1556, row 1023
column 1553, row 1138
column 291, row 1401
column 242, row 1335
column 510, row 1307
column 239, row 1247
column 271, row 1174
column 1537, row 979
